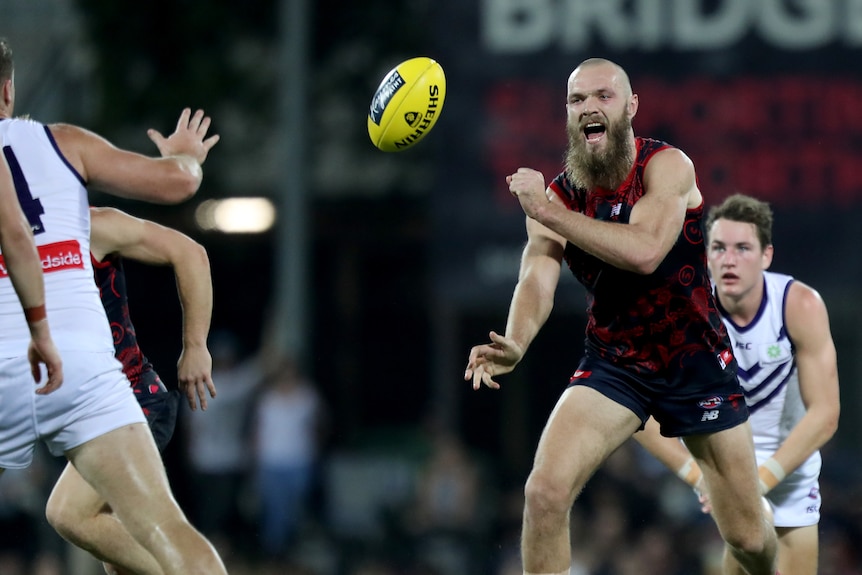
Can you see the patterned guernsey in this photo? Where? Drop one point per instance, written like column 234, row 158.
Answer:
column 111, row 279
column 665, row 323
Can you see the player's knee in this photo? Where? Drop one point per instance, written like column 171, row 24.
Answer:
column 61, row 520
column 747, row 541
column 65, row 517
column 546, row 496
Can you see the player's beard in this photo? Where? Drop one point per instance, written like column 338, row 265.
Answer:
column 605, row 169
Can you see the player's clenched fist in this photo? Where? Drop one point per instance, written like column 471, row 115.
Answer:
column 528, row 186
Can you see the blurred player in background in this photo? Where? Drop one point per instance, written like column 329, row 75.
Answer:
column 94, row 419
column 626, row 216
column 75, row 510
column 789, row 369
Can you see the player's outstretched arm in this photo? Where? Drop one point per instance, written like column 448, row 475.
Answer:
column 116, row 232
column 21, row 260
column 531, row 305
column 172, row 178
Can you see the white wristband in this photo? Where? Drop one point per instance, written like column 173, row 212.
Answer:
column 772, row 467
column 775, row 469
column 684, row 471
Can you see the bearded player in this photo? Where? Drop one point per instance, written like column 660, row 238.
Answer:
column 626, row 217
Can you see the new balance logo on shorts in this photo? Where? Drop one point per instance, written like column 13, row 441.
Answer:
column 710, row 415
column 709, row 405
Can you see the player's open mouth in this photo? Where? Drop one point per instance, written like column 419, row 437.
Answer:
column 594, row 131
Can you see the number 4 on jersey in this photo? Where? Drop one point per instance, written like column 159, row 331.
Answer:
column 31, row 206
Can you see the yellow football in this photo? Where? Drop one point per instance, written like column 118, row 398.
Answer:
column 407, row 104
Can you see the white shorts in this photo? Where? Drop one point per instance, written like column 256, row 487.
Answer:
column 95, row 398
column 796, row 500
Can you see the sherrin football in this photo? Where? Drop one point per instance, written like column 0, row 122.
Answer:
column 407, row 104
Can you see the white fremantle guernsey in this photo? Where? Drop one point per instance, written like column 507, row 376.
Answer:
column 55, row 200
column 767, row 369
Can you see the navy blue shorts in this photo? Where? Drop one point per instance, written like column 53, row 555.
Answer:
column 683, row 408
column 161, row 411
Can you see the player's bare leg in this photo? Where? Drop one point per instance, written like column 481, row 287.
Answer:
column 730, row 474
column 582, row 431
column 798, row 550
column 83, row 518
column 125, row 468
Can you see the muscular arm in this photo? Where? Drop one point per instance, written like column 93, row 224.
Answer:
column 171, row 178
column 808, row 326
column 531, row 305
column 115, row 232
column 533, row 298
column 654, row 225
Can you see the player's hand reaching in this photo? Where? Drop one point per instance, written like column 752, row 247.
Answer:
column 194, row 375
column 489, row 360
column 189, row 139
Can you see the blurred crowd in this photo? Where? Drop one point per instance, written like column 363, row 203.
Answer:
column 260, row 474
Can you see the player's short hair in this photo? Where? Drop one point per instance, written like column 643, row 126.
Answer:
column 6, row 64
column 743, row 208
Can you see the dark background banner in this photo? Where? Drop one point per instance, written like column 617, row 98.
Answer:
column 762, row 95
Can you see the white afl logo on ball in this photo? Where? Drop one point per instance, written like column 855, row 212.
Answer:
column 406, row 104
column 390, row 86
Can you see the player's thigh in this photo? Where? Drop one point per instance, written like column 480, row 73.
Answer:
column 730, row 473
column 125, row 468
column 797, row 550
column 584, row 428
column 727, row 457
column 72, row 499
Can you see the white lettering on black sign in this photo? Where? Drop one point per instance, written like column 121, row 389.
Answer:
column 523, row 26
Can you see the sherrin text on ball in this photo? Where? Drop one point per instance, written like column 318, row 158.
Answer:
column 407, row 104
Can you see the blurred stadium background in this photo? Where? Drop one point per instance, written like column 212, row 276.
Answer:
column 381, row 270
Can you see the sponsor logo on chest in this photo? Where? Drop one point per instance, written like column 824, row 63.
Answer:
column 55, row 257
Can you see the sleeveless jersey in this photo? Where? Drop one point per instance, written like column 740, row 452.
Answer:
column 54, row 199
column 664, row 323
column 767, row 368
column 111, row 281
